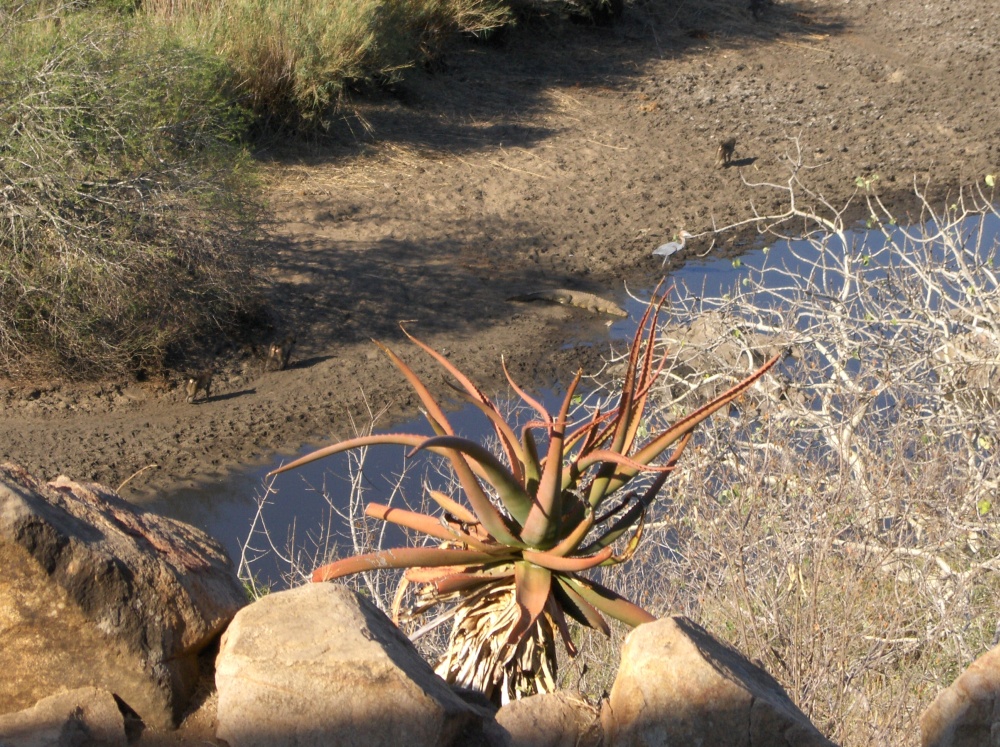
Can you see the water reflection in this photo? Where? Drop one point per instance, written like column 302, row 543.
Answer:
column 300, row 509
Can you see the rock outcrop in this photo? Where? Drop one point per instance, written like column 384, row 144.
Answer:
column 558, row 719
column 96, row 592
column 967, row 714
column 88, row 716
column 677, row 685
column 321, row 665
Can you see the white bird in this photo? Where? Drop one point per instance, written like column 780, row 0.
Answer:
column 670, row 247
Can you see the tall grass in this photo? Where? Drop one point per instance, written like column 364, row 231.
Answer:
column 127, row 204
column 295, row 59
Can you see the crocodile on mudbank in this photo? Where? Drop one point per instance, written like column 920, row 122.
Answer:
column 581, row 300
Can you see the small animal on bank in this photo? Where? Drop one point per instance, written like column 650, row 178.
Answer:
column 200, row 383
column 278, row 353
column 724, row 153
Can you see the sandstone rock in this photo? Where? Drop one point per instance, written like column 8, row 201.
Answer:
column 87, row 716
column 557, row 719
column 677, row 685
column 967, row 714
column 98, row 592
column 320, row 665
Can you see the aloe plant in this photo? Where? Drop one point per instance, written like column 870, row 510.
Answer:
column 511, row 557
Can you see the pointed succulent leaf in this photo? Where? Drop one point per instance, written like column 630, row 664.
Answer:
column 579, row 608
column 564, row 564
column 434, row 412
column 525, row 397
column 393, row 439
column 572, row 541
column 451, row 506
column 505, row 434
column 663, row 441
column 542, row 523
column 488, row 515
column 606, row 455
column 626, row 413
column 609, row 602
column 475, row 395
column 554, row 610
column 509, row 490
column 428, row 525
column 533, row 584
column 401, row 557
column 630, row 547
column 636, row 511
column 532, row 466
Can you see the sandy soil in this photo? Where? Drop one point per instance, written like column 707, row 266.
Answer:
column 558, row 159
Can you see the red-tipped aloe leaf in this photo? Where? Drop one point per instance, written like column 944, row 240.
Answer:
column 400, row 557
column 453, row 507
column 509, row 490
column 566, row 565
column 532, row 467
column 572, row 540
column 484, row 510
column 434, row 410
column 429, row 525
column 636, row 511
column 533, row 403
column 461, row 581
column 543, row 521
column 579, row 608
column 394, row 439
column 606, row 601
column 532, row 584
column 625, row 413
column 475, row 395
column 663, row 441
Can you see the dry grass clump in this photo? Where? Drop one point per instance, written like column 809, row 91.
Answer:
column 127, row 206
column 295, row 59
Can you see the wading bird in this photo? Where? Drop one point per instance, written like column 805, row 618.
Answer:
column 670, row 247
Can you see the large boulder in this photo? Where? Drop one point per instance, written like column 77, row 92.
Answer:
column 97, row 592
column 967, row 714
column 88, row 716
column 321, row 665
column 558, row 719
column 677, row 685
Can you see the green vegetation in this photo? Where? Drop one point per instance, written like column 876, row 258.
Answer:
column 294, row 59
column 129, row 207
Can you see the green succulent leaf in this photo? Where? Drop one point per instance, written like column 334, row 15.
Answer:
column 606, row 601
column 434, row 414
column 509, row 490
column 475, row 395
column 579, row 608
column 686, row 425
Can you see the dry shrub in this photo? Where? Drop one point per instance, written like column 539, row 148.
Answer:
column 839, row 526
column 127, row 206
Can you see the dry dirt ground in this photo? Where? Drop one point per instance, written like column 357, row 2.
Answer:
column 559, row 158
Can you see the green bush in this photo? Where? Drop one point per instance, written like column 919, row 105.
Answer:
column 127, row 204
column 294, row 59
